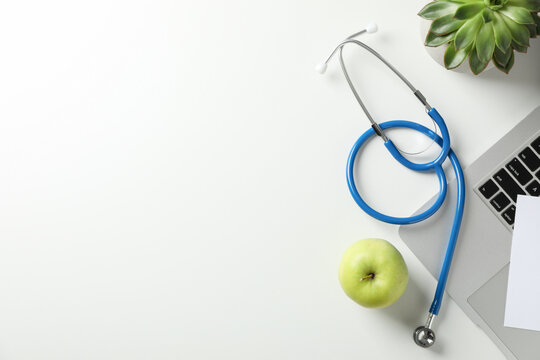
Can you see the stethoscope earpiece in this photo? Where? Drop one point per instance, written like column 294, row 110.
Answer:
column 370, row 29
column 321, row 68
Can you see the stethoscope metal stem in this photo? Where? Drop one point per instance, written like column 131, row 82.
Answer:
column 356, row 34
column 350, row 40
column 374, row 124
column 429, row 321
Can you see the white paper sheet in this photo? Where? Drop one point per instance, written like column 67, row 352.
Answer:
column 523, row 296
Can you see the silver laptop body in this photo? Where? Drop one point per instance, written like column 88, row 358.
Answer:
column 479, row 273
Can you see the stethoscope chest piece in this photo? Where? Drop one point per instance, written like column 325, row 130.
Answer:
column 424, row 336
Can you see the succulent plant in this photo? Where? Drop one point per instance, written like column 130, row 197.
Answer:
column 482, row 30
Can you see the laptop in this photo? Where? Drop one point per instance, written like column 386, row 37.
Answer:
column 479, row 273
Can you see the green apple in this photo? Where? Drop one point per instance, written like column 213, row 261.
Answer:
column 373, row 273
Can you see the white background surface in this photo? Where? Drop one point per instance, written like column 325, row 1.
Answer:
column 173, row 178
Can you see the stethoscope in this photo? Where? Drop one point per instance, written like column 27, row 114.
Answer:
column 424, row 336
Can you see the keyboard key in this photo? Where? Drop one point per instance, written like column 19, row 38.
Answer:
column 519, row 171
column 536, row 145
column 500, row 201
column 489, row 189
column 509, row 215
column 530, row 159
column 533, row 188
column 538, row 175
column 503, row 178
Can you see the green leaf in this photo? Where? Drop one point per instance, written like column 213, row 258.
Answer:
column 468, row 11
column 495, row 4
column 453, row 58
column 519, row 15
column 519, row 32
column 502, row 57
column 510, row 63
column 537, row 21
column 519, row 48
column 487, row 15
column 531, row 5
column 505, row 68
column 436, row 9
column 532, row 30
column 467, row 33
column 485, row 42
column 434, row 40
column 445, row 25
column 503, row 37
column 477, row 65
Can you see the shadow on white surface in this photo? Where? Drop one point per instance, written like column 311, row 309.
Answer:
column 525, row 71
column 410, row 311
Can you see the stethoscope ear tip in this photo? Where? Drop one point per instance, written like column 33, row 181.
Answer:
column 321, row 68
column 371, row 28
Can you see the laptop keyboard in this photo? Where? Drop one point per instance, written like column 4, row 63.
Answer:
column 520, row 175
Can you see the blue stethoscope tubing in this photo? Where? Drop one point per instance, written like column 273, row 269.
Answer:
column 436, row 166
column 423, row 336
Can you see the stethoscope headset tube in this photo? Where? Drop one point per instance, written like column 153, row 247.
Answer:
column 424, row 336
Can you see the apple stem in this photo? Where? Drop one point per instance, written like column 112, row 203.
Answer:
column 368, row 276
